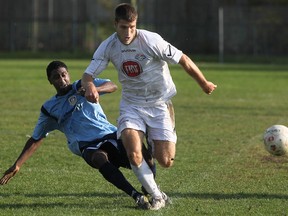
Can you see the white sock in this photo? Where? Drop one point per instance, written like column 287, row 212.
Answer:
column 146, row 178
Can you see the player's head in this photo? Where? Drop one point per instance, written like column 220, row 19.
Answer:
column 58, row 76
column 125, row 22
column 125, row 12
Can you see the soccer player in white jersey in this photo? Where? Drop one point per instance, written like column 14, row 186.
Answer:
column 141, row 58
column 89, row 134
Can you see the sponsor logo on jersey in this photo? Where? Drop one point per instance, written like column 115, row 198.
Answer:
column 169, row 51
column 140, row 57
column 131, row 68
column 128, row 50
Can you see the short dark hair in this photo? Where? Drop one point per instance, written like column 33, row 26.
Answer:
column 54, row 65
column 126, row 12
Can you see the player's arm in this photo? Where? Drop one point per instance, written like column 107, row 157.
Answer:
column 98, row 63
column 106, row 87
column 28, row 150
column 190, row 67
column 91, row 93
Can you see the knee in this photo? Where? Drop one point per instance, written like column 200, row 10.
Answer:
column 135, row 158
column 99, row 159
column 166, row 162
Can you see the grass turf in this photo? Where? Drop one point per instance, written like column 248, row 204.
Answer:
column 221, row 167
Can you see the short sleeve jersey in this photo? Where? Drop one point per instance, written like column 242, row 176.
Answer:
column 73, row 115
column 142, row 66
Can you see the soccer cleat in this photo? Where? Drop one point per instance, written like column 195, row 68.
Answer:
column 142, row 202
column 157, row 203
column 166, row 198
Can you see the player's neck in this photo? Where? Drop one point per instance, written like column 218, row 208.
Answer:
column 64, row 91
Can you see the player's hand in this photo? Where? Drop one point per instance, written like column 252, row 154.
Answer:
column 91, row 94
column 209, row 87
column 9, row 174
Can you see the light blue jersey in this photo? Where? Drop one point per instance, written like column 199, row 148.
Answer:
column 73, row 115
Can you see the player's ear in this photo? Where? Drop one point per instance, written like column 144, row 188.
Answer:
column 50, row 81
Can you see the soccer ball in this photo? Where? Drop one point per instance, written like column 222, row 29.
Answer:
column 276, row 140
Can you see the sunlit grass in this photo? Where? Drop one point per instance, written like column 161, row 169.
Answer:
column 221, row 167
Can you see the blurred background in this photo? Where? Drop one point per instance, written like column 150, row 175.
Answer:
column 222, row 30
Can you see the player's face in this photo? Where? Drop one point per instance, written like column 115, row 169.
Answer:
column 60, row 79
column 126, row 31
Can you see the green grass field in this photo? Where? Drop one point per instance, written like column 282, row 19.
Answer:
column 221, row 167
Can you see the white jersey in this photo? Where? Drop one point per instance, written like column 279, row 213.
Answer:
column 142, row 67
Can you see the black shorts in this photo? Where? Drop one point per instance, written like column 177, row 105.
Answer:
column 113, row 147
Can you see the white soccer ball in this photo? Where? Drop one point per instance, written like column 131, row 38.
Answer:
column 276, row 140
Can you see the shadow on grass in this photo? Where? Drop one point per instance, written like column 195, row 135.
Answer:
column 103, row 196
column 221, row 196
column 40, row 205
column 59, row 195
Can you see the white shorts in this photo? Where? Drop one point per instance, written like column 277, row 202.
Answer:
column 157, row 122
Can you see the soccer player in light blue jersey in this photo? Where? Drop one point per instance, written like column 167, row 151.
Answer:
column 89, row 134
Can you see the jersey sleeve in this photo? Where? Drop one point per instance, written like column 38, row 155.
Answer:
column 170, row 53
column 100, row 59
column 162, row 49
column 44, row 125
column 99, row 81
